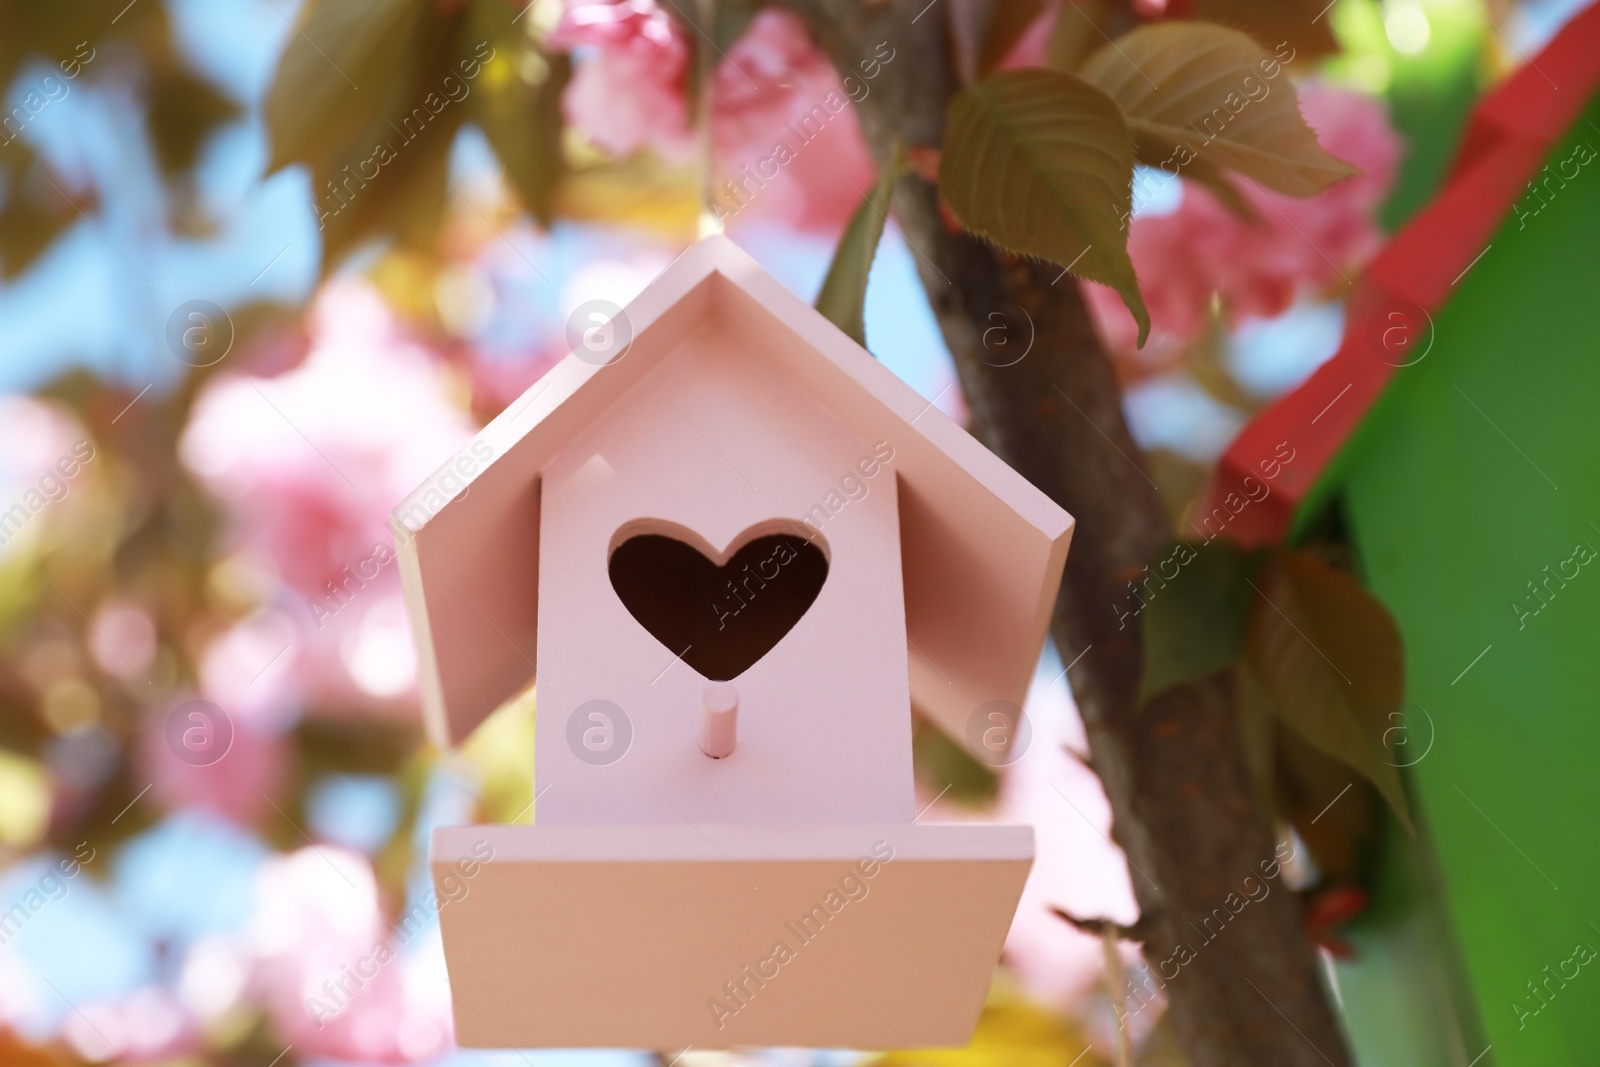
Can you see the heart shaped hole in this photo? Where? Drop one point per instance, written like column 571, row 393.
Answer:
column 721, row 617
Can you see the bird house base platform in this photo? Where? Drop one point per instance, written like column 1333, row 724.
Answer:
column 662, row 936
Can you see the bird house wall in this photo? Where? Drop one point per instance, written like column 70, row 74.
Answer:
column 714, row 447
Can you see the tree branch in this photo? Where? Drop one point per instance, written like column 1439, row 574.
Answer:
column 1100, row 926
column 1241, row 975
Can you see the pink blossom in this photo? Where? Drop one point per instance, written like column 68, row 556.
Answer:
column 334, row 979
column 40, row 440
column 776, row 87
column 773, row 74
column 250, row 670
column 237, row 785
column 627, row 92
column 148, row 1026
column 34, row 433
column 308, row 465
column 1076, row 867
column 122, row 639
column 498, row 380
column 773, row 85
column 816, row 191
column 213, row 976
column 1301, row 245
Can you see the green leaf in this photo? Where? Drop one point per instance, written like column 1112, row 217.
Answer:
column 348, row 64
column 1193, row 623
column 1202, row 98
column 378, row 160
column 1329, row 657
column 517, row 103
column 406, row 199
column 1041, row 163
column 843, row 298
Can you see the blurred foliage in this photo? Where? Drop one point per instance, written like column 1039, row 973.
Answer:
column 56, row 45
column 388, row 87
column 942, row 763
column 501, row 752
column 1318, row 681
column 1326, row 654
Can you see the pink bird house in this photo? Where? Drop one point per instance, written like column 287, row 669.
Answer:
column 733, row 552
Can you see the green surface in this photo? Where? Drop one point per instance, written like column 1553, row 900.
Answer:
column 1404, row 991
column 1477, row 469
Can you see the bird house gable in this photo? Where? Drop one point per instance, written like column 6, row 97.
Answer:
column 728, row 411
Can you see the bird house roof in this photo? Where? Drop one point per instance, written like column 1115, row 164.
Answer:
column 982, row 550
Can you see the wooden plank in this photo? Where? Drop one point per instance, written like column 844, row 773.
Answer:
column 868, row 936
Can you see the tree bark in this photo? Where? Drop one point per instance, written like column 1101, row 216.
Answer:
column 1247, row 988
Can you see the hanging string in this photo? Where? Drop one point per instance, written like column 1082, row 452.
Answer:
column 705, row 75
